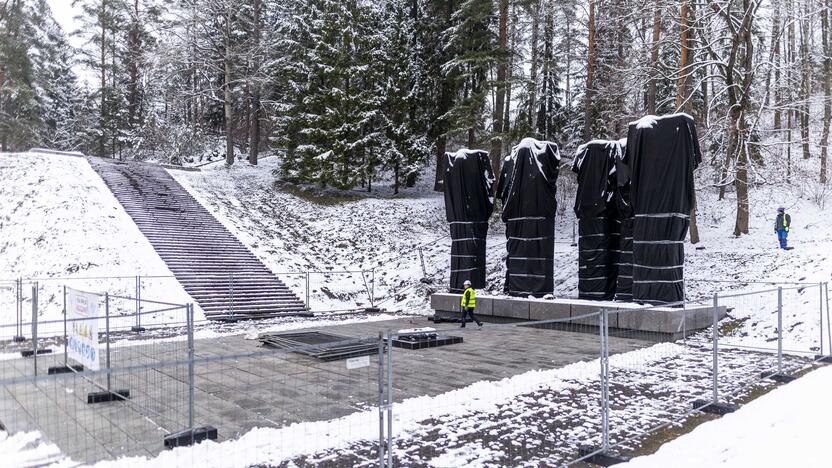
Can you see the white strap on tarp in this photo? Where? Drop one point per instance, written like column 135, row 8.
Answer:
column 530, row 238
column 658, row 242
column 635, row 265
column 663, row 215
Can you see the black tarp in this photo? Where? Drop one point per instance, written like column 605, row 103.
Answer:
column 527, row 188
column 624, row 214
column 662, row 153
column 469, row 203
column 598, row 224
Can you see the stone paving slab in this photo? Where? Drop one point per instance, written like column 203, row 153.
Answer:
column 272, row 390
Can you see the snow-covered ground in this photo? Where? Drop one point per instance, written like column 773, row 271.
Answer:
column 61, row 226
column 786, row 427
column 293, row 230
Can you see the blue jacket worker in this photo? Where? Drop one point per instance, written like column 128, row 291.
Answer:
column 468, row 303
column 781, row 227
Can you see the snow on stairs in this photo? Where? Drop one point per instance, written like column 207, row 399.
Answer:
column 215, row 268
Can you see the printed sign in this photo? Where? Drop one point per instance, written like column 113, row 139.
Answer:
column 82, row 335
column 358, row 362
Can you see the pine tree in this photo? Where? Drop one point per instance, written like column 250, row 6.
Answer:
column 340, row 119
column 404, row 147
column 19, row 116
column 473, row 45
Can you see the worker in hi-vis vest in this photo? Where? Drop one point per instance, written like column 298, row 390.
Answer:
column 781, row 226
column 468, row 303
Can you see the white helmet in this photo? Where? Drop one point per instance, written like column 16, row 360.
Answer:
column 466, row 283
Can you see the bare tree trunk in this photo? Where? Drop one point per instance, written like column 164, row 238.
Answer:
column 445, row 101
column 681, row 93
column 805, row 86
column 227, row 103
column 590, row 69
column 827, row 90
column 254, row 125
column 502, row 74
column 134, row 54
column 509, row 75
column 654, row 58
column 533, row 74
column 103, row 110
column 741, row 109
column 775, row 60
column 790, row 13
column 438, row 181
column 684, row 52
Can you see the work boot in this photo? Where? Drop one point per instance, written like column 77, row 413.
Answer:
column 479, row 324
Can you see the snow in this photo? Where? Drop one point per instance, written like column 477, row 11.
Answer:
column 782, row 428
column 60, row 225
column 292, row 230
column 617, row 144
column 648, row 121
column 27, row 449
column 337, row 234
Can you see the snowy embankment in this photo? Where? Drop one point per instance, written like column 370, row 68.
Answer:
column 293, row 230
column 60, row 225
column 785, row 427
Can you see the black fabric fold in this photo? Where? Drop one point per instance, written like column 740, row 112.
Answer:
column 596, row 164
column 468, row 205
column 662, row 153
column 527, row 189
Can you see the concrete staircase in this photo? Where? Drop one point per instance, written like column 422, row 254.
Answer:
column 226, row 280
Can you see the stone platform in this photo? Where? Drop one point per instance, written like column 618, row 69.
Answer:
column 649, row 322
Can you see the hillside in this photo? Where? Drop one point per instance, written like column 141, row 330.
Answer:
column 60, row 225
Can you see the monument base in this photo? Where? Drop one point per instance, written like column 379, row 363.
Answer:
column 630, row 320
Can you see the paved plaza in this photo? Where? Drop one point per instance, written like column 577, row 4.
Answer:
column 240, row 385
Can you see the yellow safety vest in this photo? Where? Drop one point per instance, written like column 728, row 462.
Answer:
column 472, row 301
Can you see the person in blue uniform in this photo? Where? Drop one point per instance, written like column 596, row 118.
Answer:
column 781, row 226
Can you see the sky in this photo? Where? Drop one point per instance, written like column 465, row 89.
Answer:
column 64, row 13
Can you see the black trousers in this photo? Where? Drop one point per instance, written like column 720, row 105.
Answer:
column 468, row 312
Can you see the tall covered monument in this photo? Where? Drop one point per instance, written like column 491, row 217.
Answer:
column 527, row 188
column 599, row 225
column 662, row 153
column 469, row 202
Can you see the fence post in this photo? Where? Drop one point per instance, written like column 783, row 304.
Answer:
column 66, row 353
column 605, row 382
column 820, row 288
column 715, row 333
column 138, row 303
column 189, row 310
column 308, row 306
column 18, row 284
column 828, row 326
column 35, row 325
column 389, row 399
column 373, row 288
column 779, row 330
column 107, row 332
column 380, row 399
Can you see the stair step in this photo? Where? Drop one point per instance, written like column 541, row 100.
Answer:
column 205, row 257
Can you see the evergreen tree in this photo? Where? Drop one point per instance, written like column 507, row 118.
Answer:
column 19, row 116
column 342, row 121
column 405, row 147
column 472, row 44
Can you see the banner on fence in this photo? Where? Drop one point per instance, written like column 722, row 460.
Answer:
column 82, row 332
